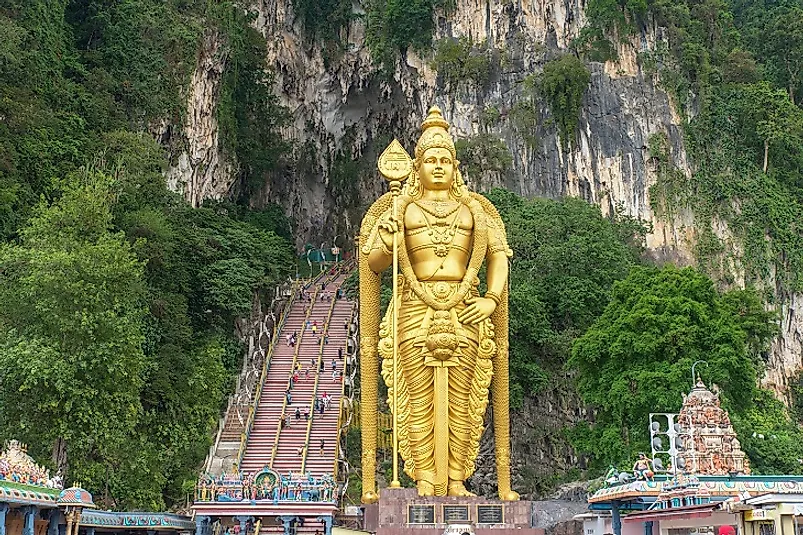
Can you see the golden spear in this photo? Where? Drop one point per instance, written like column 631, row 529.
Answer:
column 395, row 165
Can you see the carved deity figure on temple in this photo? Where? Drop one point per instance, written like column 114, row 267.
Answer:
column 451, row 339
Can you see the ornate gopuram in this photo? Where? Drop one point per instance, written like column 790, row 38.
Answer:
column 441, row 344
column 710, row 446
column 32, row 502
column 707, row 489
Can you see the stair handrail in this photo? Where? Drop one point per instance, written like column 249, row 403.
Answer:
column 246, row 434
column 317, row 380
column 340, row 407
column 311, row 306
column 337, row 441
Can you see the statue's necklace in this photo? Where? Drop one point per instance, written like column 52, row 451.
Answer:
column 441, row 238
column 439, row 209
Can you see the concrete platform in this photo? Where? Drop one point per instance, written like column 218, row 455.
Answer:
column 402, row 511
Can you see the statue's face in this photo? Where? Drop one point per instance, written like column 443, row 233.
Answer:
column 437, row 169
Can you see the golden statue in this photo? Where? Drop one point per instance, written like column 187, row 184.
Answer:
column 442, row 344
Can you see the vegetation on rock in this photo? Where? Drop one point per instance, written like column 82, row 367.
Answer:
column 118, row 299
column 563, row 85
column 480, row 154
column 463, row 61
column 393, row 26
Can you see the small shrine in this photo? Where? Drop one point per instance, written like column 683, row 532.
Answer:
column 708, row 470
column 710, row 446
column 32, row 502
column 16, row 466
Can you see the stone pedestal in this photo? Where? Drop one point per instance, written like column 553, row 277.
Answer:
column 402, row 511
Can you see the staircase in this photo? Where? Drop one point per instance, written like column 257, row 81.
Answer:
column 269, row 444
column 263, row 442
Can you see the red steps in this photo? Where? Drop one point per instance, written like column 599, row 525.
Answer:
column 259, row 448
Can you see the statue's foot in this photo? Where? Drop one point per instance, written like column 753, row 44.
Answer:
column 508, row 495
column 457, row 488
column 370, row 497
column 425, row 488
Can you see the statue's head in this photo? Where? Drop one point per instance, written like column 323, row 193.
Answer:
column 436, row 169
column 436, row 161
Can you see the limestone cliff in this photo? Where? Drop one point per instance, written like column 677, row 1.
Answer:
column 200, row 169
column 343, row 114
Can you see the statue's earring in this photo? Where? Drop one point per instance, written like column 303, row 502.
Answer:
column 458, row 186
column 414, row 186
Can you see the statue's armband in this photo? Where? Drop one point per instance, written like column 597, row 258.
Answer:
column 497, row 241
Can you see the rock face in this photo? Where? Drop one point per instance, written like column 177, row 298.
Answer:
column 200, row 170
column 344, row 108
column 785, row 354
column 344, row 114
column 539, row 448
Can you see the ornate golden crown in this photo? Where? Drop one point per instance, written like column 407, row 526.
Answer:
column 434, row 133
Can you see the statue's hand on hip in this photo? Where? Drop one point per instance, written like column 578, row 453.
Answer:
column 478, row 309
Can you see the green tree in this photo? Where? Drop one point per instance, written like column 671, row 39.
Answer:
column 566, row 257
column 636, row 357
column 772, row 441
column 81, row 83
column 71, row 306
column 784, row 48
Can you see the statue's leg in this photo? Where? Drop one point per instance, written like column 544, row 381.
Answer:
column 420, row 424
column 417, row 406
column 461, row 445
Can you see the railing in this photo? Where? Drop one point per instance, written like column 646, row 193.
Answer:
column 246, row 434
column 341, row 407
column 317, row 380
column 292, row 369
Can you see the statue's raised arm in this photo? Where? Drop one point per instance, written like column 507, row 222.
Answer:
column 451, row 341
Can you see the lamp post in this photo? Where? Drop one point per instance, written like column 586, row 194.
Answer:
column 335, row 248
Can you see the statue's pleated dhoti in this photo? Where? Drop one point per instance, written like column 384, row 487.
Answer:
column 445, row 371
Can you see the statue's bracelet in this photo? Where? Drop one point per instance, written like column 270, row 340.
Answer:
column 382, row 247
column 493, row 296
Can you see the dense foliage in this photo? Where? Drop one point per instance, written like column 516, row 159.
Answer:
column 566, row 258
column 563, row 85
column 118, row 299
column 636, row 357
column 393, row 26
column 248, row 112
column 324, row 20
